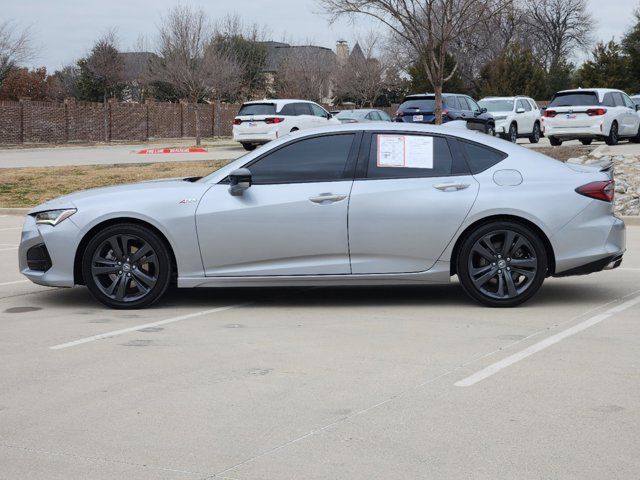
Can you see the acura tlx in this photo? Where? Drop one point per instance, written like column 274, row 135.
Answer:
column 354, row 204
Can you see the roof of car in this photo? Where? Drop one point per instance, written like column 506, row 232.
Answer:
column 362, row 110
column 506, row 98
column 598, row 91
column 278, row 101
column 427, row 94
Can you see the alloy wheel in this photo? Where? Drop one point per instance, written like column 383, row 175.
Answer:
column 125, row 267
column 502, row 264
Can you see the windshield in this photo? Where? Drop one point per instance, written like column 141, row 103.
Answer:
column 345, row 114
column 258, row 109
column 497, row 105
column 574, row 99
column 427, row 104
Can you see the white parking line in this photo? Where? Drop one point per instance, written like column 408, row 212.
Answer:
column 13, row 283
column 7, row 249
column 146, row 325
column 547, row 342
column 10, row 228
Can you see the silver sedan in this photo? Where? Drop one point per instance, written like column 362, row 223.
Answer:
column 356, row 204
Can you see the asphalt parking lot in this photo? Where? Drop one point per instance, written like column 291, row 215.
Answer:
column 341, row 383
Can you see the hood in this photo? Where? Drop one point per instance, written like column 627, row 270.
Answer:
column 128, row 190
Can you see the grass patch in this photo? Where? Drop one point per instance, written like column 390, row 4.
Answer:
column 27, row 187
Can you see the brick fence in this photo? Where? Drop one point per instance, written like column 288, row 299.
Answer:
column 71, row 121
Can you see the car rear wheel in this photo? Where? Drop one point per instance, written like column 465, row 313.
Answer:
column 535, row 135
column 636, row 139
column 612, row 138
column 513, row 133
column 249, row 146
column 555, row 142
column 126, row 266
column 586, row 141
column 502, row 264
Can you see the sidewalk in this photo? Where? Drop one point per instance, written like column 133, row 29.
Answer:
column 62, row 155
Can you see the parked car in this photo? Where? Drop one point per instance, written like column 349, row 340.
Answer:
column 421, row 109
column 636, row 99
column 592, row 113
column 353, row 204
column 515, row 117
column 363, row 115
column 265, row 120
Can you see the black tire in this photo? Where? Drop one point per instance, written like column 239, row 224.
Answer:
column 555, row 142
column 115, row 275
column 613, row 137
column 636, row 139
column 294, row 129
column 535, row 135
column 490, row 130
column 485, row 276
column 586, row 141
column 513, row 133
column 249, row 146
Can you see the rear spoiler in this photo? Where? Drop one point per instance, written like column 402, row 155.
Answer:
column 607, row 167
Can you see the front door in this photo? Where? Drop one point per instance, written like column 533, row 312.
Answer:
column 291, row 221
column 407, row 203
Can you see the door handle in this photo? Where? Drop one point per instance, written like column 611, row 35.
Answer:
column 451, row 187
column 327, row 198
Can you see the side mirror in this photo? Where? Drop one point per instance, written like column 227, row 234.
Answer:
column 637, row 108
column 239, row 181
column 520, row 110
column 483, row 110
column 329, row 116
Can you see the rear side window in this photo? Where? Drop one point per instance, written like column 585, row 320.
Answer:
column 426, row 104
column 452, row 103
column 442, row 158
column 302, row 109
column 317, row 159
column 257, row 109
column 480, row 158
column 574, row 99
column 289, row 109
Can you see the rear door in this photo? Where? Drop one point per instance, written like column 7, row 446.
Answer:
column 411, row 194
column 305, row 119
column 632, row 118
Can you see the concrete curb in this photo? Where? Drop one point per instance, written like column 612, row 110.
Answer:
column 14, row 211
column 628, row 220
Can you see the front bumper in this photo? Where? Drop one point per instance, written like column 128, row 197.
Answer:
column 60, row 243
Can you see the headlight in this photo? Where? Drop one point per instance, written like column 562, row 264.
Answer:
column 53, row 217
column 500, row 117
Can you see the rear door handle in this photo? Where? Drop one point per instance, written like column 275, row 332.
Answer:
column 451, row 187
column 327, row 198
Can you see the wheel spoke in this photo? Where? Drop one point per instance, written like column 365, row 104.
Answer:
column 113, row 285
column 481, row 250
column 115, row 246
column 500, row 285
column 511, row 287
column 527, row 273
column 143, row 278
column 480, row 270
column 105, row 270
column 524, row 262
column 141, row 253
column 122, row 287
column 509, row 237
column 489, row 244
column 486, row 277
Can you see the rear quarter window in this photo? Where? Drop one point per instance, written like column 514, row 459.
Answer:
column 423, row 104
column 258, row 109
column 479, row 157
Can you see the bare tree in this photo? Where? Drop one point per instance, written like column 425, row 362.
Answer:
column 188, row 59
column 366, row 74
column 107, row 67
column 560, row 26
column 306, row 72
column 16, row 47
column 428, row 27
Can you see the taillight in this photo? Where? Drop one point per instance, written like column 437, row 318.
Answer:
column 550, row 113
column 599, row 190
column 237, row 121
column 273, row 120
column 596, row 112
column 445, row 112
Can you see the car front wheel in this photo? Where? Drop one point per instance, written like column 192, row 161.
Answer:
column 502, row 264
column 490, row 130
column 126, row 266
column 555, row 142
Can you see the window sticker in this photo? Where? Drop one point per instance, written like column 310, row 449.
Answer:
column 405, row 151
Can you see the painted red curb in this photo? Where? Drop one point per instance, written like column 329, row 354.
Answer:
column 155, row 151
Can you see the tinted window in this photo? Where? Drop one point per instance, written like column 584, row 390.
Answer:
column 472, row 103
column 302, row 109
column 442, row 162
column 317, row 110
column 425, row 104
column 608, row 101
column 627, row 102
column 384, row 116
column 497, row 105
column 480, row 158
column 636, row 100
column 319, row 159
column 257, row 109
column 574, row 99
column 525, row 105
column 617, row 97
column 350, row 114
column 289, row 109
column 452, row 103
column 533, row 104
column 374, row 116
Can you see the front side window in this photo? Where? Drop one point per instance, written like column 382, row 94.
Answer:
column 302, row 109
column 525, row 105
column 317, row 159
column 474, row 106
column 408, row 156
column 628, row 102
column 289, row 110
column 318, row 111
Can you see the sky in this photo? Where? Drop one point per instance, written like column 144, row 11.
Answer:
column 63, row 31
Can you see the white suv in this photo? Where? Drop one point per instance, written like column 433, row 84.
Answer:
column 515, row 117
column 594, row 113
column 265, row 120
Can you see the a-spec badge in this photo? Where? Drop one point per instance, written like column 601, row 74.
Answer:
column 188, row 200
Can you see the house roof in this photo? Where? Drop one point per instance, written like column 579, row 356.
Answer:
column 277, row 52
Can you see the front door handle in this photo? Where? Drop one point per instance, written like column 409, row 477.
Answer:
column 327, row 198
column 451, row 187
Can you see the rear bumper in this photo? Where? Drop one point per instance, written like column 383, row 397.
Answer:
column 595, row 130
column 606, row 263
